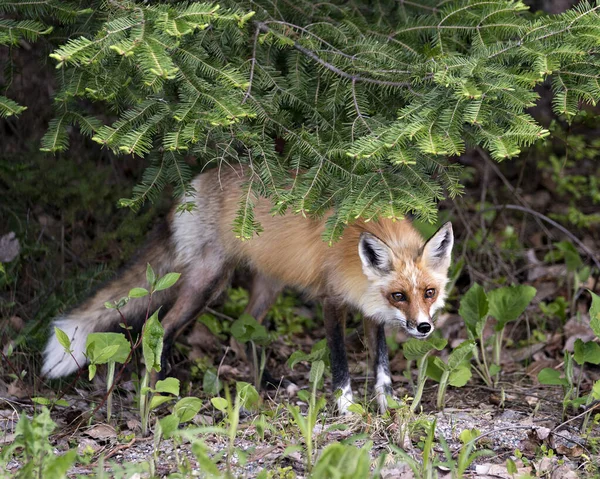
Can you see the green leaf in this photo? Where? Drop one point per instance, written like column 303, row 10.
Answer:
column 138, row 293
column 103, row 347
column 508, row 303
column 462, row 354
column 511, row 467
column 474, row 309
column 57, row 466
column 187, row 408
column 295, row 358
column 150, row 275
column 588, row 352
column 220, row 404
column 246, row 328
column 596, row 390
column 157, row 400
column 210, row 382
column 550, row 376
column 168, row 385
column 316, row 372
column 435, row 368
column 468, row 435
column 595, row 314
column 460, row 376
column 416, row 348
column 166, row 281
column 63, row 339
column 248, row 395
column 169, row 425
column 152, row 342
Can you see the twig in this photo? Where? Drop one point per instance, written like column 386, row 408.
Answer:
column 593, row 406
column 357, row 78
column 558, row 226
column 252, row 65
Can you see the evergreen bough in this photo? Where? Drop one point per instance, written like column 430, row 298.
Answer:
column 354, row 106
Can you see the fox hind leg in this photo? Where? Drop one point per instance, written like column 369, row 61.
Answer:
column 204, row 283
column 263, row 293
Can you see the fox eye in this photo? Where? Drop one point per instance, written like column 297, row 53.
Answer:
column 398, row 297
column 430, row 293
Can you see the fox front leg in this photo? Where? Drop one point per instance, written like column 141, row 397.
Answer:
column 381, row 364
column 335, row 325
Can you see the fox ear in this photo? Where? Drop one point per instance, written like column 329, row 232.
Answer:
column 437, row 250
column 375, row 255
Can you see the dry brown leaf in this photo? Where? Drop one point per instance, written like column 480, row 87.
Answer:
column 102, row 431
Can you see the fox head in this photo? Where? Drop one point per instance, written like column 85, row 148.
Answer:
column 406, row 284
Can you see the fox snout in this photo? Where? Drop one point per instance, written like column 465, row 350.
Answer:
column 421, row 327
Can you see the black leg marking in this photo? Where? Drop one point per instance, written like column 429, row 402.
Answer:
column 335, row 325
column 381, row 365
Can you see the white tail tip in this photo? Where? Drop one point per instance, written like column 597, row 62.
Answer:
column 57, row 362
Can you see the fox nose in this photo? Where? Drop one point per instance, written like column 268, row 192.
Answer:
column 424, row 328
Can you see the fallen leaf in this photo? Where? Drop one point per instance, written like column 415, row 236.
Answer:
column 102, row 431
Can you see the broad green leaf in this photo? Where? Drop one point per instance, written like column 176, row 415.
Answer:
column 152, row 342
column 435, row 368
column 248, row 395
column 168, row 385
column 595, row 314
column 416, row 348
column 596, row 390
column 460, row 376
column 461, row 354
column 166, row 281
column 103, row 355
column 246, row 328
column 295, row 358
column 168, row 425
column 157, row 400
column 210, row 382
column 220, row 404
column 588, row 352
column 103, row 347
column 187, row 408
column 474, row 309
column 468, row 435
column 63, row 339
column 508, row 303
column 551, row 376
column 138, row 293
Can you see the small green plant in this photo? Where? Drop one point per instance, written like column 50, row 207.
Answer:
column 416, row 350
column 466, row 455
column 424, row 469
column 32, row 447
column 315, row 405
column 247, row 330
column 246, row 397
column 107, row 348
column 584, row 352
column 504, row 304
column 345, row 461
column 456, row 371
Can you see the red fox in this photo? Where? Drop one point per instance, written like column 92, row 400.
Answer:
column 384, row 269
